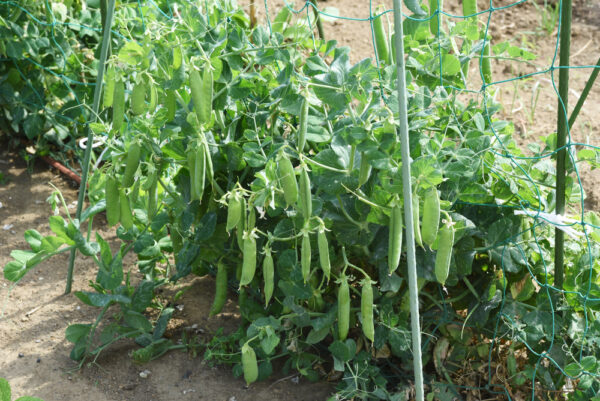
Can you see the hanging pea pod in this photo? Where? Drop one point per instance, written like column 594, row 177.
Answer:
column 249, row 364
column 305, row 196
column 287, row 179
column 111, row 193
column 131, row 164
column 125, row 216
column 343, row 309
column 201, row 88
column 365, row 170
column 118, row 105
column 395, row 238
column 366, row 309
column 249, row 259
column 170, row 105
column 138, row 99
column 200, row 170
column 416, row 220
column 303, row 126
column 268, row 274
column 435, row 13
column 444, row 252
column 431, row 217
column 220, row 290
column 191, row 165
column 109, row 87
column 323, row 246
column 305, row 256
column 486, row 64
column 234, row 211
column 241, row 227
column 381, row 39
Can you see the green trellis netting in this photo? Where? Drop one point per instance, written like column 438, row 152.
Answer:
column 55, row 76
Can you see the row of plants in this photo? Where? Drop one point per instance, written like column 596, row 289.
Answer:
column 265, row 158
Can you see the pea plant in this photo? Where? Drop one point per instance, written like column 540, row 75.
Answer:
column 268, row 160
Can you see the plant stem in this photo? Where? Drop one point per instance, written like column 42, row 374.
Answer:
column 584, row 94
column 107, row 24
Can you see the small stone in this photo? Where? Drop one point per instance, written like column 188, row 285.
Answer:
column 38, row 360
column 145, row 373
column 7, row 227
column 38, row 341
column 232, row 398
column 21, row 355
column 128, row 387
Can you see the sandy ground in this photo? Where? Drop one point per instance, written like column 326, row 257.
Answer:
column 33, row 349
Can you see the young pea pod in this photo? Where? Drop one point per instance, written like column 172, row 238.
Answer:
column 209, row 171
column 381, row 39
column 435, row 9
column 431, row 217
column 138, row 99
column 201, row 88
column 416, row 221
column 268, row 275
column 241, row 227
column 249, row 364
column 302, row 129
column 287, row 178
column 126, row 216
column 170, row 105
column 153, row 98
column 486, row 64
column 366, row 309
column 305, row 256
column 324, row 252
column 220, row 290
column 131, row 164
column 305, row 196
column 395, row 238
column 109, row 87
column 111, row 193
column 234, row 211
column 343, row 314
column 152, row 192
column 118, row 105
column 444, row 252
column 200, row 170
column 191, row 165
column 249, row 259
column 365, row 170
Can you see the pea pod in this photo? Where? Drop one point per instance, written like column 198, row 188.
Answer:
column 111, row 193
column 416, row 222
column 170, row 105
column 152, row 189
column 191, row 165
column 249, row 259
column 234, row 211
column 486, row 64
column 469, row 7
column 343, row 314
column 395, row 238
column 287, row 178
column 201, row 88
column 138, row 99
column 303, row 127
column 220, row 290
column 109, row 87
column 324, row 252
column 153, row 98
column 434, row 22
column 305, row 196
column 431, row 217
column 118, row 106
column 200, row 171
column 249, row 364
column 126, row 216
column 381, row 40
column 305, row 256
column 268, row 275
column 131, row 164
column 444, row 252
column 366, row 309
column 241, row 227
column 176, row 239
column 365, row 170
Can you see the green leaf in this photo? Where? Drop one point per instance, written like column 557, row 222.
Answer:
column 34, row 239
column 269, row 343
column 131, row 53
column 415, row 7
column 161, row 324
column 5, row 393
column 76, row 332
column 572, row 369
column 101, row 300
column 142, row 297
column 137, row 321
column 14, row 270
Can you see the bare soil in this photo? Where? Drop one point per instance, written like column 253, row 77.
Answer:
column 34, row 354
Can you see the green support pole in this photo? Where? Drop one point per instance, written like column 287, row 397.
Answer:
column 408, row 213
column 95, row 107
column 562, row 132
column 584, row 94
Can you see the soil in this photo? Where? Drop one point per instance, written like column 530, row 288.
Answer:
column 34, row 351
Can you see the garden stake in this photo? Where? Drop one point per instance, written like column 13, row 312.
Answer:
column 561, row 140
column 90, row 135
column 408, row 213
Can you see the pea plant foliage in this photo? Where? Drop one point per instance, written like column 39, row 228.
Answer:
column 262, row 156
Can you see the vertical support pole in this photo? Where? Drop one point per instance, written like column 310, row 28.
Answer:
column 408, row 213
column 95, row 107
column 562, row 132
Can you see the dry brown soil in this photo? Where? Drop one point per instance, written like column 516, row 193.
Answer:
column 33, row 349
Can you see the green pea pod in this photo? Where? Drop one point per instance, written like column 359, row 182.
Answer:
column 126, row 216
column 200, row 170
column 268, row 275
column 366, row 309
column 170, row 105
column 381, row 39
column 176, row 239
column 241, row 227
column 220, row 290
column 249, row 364
column 201, row 88
column 109, row 87
column 444, row 252
column 152, row 189
column 191, row 165
column 365, row 170
column 249, row 259
column 305, row 255
column 287, row 178
column 431, row 217
column 486, row 64
column 343, row 309
column 118, row 106
column 395, row 238
column 131, row 164
column 234, row 211
column 138, row 99
column 434, row 22
column 111, row 193
column 153, row 98
column 302, row 129
column 209, row 171
column 416, row 222
column 324, row 252
column 305, row 196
